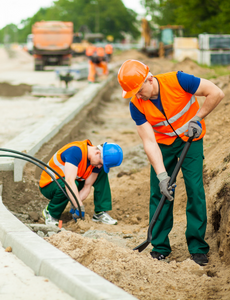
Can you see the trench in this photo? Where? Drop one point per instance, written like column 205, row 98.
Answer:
column 21, row 193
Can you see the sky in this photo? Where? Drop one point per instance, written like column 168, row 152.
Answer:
column 13, row 11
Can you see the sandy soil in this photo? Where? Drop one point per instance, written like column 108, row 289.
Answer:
column 107, row 250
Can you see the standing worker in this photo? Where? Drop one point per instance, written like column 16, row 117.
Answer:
column 97, row 59
column 166, row 111
column 108, row 52
column 81, row 164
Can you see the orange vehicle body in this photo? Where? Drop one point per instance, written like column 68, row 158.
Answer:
column 52, row 43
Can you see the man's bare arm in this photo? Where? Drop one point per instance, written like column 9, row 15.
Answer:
column 84, row 192
column 70, row 176
column 213, row 96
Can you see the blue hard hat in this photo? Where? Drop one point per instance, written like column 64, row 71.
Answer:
column 112, row 156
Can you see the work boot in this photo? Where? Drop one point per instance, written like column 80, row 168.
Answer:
column 104, row 217
column 200, row 258
column 49, row 220
column 157, row 255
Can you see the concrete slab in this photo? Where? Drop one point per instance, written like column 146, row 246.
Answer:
column 52, row 91
column 78, row 72
column 47, row 261
column 18, row 281
column 82, row 283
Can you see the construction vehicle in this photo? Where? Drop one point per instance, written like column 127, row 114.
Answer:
column 150, row 45
column 52, row 43
column 167, row 34
column 162, row 44
column 79, row 44
column 94, row 37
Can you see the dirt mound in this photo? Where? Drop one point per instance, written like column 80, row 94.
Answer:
column 15, row 60
column 136, row 273
column 128, row 54
column 190, row 67
column 9, row 90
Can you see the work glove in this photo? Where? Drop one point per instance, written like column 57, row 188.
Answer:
column 76, row 214
column 165, row 189
column 194, row 124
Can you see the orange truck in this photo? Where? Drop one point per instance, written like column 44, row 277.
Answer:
column 52, row 43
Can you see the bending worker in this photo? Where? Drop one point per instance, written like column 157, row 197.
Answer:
column 108, row 52
column 80, row 163
column 166, row 111
column 97, row 59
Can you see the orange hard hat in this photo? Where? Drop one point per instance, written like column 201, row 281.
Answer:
column 90, row 50
column 131, row 76
column 100, row 51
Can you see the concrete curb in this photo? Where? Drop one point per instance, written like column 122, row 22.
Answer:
column 31, row 140
column 46, row 260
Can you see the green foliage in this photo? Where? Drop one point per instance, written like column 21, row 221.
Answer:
column 108, row 17
column 207, row 16
column 9, row 34
column 211, row 16
column 162, row 11
column 218, row 71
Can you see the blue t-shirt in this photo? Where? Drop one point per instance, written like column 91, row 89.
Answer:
column 73, row 155
column 188, row 82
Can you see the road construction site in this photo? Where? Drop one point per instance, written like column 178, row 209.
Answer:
column 103, row 249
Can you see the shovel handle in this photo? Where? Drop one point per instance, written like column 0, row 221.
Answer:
column 143, row 245
column 171, row 181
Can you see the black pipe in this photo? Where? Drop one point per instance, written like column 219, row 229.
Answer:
column 27, row 159
column 46, row 165
column 54, row 171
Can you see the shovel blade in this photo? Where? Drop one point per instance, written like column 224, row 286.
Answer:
column 142, row 246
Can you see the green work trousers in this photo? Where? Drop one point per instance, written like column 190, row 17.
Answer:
column 58, row 201
column 192, row 169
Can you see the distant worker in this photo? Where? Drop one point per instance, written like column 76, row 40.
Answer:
column 97, row 59
column 80, row 163
column 166, row 111
column 108, row 51
column 90, row 50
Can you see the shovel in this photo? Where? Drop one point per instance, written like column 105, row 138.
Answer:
column 143, row 245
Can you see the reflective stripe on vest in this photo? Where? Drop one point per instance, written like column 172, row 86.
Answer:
column 59, row 166
column 177, row 116
column 183, row 128
column 179, row 108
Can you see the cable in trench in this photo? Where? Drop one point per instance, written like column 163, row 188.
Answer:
column 40, row 164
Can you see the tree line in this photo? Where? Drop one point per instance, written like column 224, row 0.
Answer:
column 107, row 17
column 197, row 16
column 113, row 18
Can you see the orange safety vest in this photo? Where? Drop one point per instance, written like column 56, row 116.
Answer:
column 58, row 165
column 179, row 107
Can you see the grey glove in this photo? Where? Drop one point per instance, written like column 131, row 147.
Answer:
column 165, row 189
column 194, row 124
